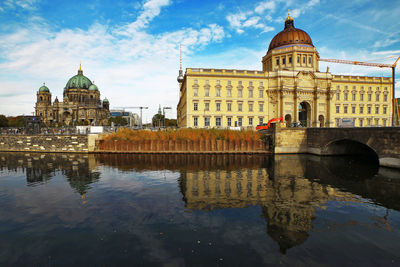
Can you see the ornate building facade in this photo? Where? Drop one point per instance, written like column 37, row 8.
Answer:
column 81, row 104
column 290, row 85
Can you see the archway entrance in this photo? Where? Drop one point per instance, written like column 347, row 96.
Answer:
column 305, row 114
column 288, row 120
column 321, row 120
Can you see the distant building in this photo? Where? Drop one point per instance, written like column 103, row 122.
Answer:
column 397, row 112
column 289, row 85
column 131, row 118
column 81, row 104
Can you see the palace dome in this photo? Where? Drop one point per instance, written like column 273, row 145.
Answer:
column 78, row 81
column 290, row 36
column 44, row 88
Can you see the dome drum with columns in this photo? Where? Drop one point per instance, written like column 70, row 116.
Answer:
column 81, row 104
column 289, row 86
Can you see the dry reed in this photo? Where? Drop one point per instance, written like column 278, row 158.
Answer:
column 183, row 134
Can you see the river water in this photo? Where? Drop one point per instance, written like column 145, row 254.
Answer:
column 197, row 210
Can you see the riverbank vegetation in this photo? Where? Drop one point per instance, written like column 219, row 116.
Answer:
column 183, row 134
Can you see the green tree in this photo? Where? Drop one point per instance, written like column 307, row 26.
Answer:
column 118, row 120
column 16, row 122
column 3, row 121
column 171, row 122
column 157, row 120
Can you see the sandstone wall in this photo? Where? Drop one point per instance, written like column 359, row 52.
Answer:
column 290, row 140
column 44, row 143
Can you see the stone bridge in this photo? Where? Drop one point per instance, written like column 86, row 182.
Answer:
column 380, row 142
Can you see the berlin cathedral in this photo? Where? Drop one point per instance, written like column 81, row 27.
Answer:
column 81, row 104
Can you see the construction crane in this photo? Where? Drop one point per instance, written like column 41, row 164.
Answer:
column 379, row 65
column 141, row 108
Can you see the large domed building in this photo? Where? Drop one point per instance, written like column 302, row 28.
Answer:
column 81, row 104
column 289, row 85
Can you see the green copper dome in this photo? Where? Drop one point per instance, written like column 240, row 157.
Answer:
column 44, row 88
column 79, row 81
column 105, row 100
column 93, row 87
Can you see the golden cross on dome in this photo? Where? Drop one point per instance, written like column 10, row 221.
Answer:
column 80, row 65
column 288, row 11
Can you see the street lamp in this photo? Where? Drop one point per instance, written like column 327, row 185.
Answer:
column 164, row 108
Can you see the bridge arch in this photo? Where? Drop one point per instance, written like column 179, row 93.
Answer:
column 350, row 147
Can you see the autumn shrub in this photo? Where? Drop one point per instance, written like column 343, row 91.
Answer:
column 183, row 134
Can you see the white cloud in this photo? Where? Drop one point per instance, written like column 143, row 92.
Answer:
column 245, row 20
column 267, row 5
column 25, row 4
column 136, row 68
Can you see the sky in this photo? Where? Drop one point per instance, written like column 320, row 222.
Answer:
column 130, row 49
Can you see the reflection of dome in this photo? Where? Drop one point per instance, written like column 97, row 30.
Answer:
column 290, row 35
column 93, row 87
column 44, row 88
column 79, row 81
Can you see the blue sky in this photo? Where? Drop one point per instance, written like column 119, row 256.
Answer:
column 131, row 48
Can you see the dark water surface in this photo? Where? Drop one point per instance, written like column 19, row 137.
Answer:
column 163, row 210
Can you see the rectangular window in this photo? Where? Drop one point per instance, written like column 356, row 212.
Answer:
column 354, row 97
column 251, row 107
column 229, row 121
column 260, row 121
column 195, row 122
column 369, row 122
column 353, row 109
column 309, row 60
column 345, row 96
column 361, row 110
column 277, row 61
column 218, row 92
column 195, row 106
column 377, row 97
column 260, row 107
column 283, row 61
column 345, row 109
column 240, row 105
column 290, row 60
column 298, row 59
column 206, row 92
column 218, row 121
column 260, row 93
column 376, row 122
column 218, row 105
column 229, row 106
column 229, row 92
column 206, row 106
column 304, row 60
column 251, row 121
column 195, row 92
column 384, row 110
column 337, row 109
column 376, row 110
column 338, row 96
column 384, row 122
column 385, row 98
column 369, row 110
column 207, row 121
column 250, row 93
column 240, row 122
column 361, row 97
column 361, row 122
column 369, row 97
column 240, row 93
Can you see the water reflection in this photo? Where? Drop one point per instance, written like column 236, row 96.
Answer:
column 291, row 191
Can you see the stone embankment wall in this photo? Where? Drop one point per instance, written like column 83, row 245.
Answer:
column 180, row 146
column 291, row 140
column 45, row 143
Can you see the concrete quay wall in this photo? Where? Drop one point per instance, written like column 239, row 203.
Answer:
column 45, row 143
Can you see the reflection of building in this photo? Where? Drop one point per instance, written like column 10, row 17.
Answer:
column 81, row 104
column 290, row 85
column 131, row 118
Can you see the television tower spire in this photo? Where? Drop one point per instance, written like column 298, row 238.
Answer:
column 180, row 76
